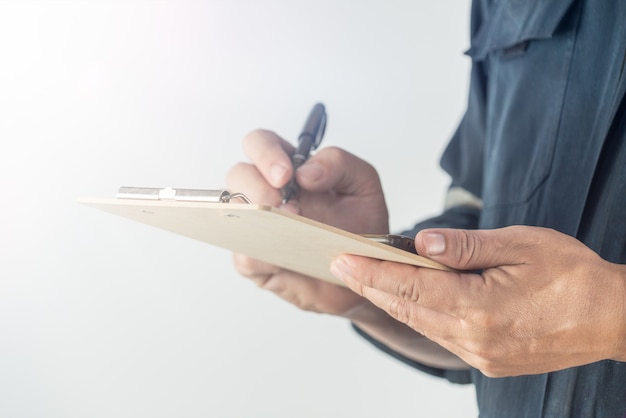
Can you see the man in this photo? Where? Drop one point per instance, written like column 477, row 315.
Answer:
column 537, row 207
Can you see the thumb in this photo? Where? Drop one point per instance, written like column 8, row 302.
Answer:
column 470, row 249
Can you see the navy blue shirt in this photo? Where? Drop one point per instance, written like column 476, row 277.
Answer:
column 543, row 142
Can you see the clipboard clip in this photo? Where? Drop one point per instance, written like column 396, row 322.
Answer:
column 186, row 195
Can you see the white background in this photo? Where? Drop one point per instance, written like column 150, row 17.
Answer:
column 101, row 317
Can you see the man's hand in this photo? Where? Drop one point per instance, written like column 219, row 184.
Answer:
column 336, row 188
column 542, row 300
column 341, row 190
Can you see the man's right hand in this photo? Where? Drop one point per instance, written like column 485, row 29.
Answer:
column 336, row 188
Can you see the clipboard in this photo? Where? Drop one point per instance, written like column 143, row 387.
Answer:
column 262, row 232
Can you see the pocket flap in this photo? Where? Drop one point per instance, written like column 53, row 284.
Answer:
column 515, row 21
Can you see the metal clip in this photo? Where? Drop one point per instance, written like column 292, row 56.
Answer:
column 186, row 195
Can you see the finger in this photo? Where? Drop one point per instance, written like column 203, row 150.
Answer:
column 311, row 294
column 302, row 291
column 446, row 330
column 413, row 314
column 271, row 155
column 245, row 178
column 478, row 249
column 451, row 293
column 335, row 169
column 442, row 311
column 257, row 271
column 435, row 324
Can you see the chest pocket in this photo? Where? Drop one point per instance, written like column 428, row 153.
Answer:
column 525, row 48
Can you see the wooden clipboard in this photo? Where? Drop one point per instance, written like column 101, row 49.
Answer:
column 262, row 232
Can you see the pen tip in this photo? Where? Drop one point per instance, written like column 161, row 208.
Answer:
column 287, row 194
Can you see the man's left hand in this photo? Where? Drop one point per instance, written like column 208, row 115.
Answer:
column 540, row 301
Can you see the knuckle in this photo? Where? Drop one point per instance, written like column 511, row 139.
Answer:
column 250, row 139
column 333, row 156
column 340, row 157
column 258, row 143
column 358, row 288
column 484, row 321
column 409, row 290
column 257, row 135
column 490, row 354
column 486, row 359
column 236, row 171
column 399, row 310
column 491, row 357
column 468, row 249
column 488, row 368
column 251, row 268
column 244, row 265
column 334, row 153
column 304, row 304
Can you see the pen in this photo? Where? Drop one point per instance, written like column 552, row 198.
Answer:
column 309, row 139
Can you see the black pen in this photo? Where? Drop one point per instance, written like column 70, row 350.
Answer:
column 309, row 139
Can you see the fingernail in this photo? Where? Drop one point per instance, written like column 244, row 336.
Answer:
column 277, row 173
column 340, row 268
column 435, row 243
column 310, row 171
